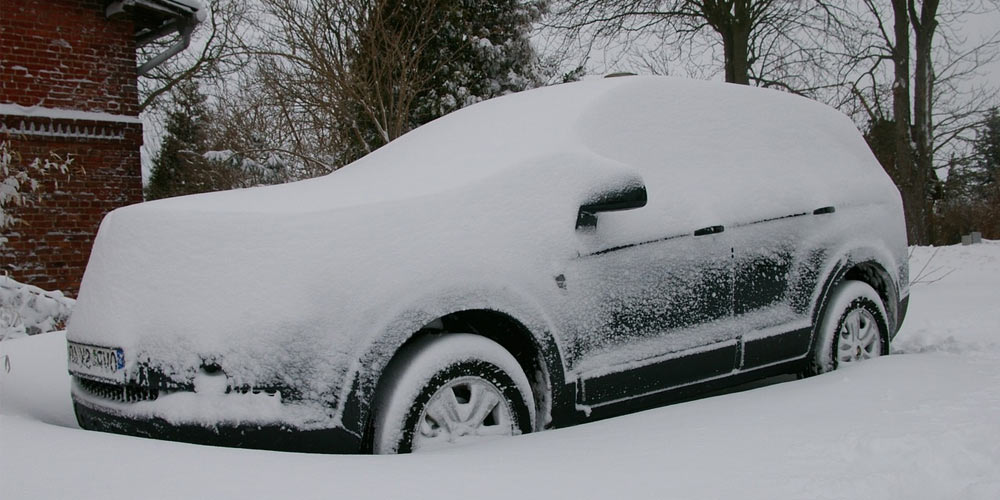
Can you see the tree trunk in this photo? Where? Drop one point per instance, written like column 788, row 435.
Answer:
column 736, row 50
column 924, row 25
column 731, row 20
column 909, row 183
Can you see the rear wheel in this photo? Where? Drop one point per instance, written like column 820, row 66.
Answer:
column 853, row 328
column 448, row 390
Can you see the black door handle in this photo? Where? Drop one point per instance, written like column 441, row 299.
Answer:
column 709, row 230
column 824, row 210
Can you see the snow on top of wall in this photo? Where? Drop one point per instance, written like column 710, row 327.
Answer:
column 64, row 114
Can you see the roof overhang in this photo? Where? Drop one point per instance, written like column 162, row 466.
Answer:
column 155, row 19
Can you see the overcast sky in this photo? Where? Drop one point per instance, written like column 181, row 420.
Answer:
column 976, row 29
column 983, row 26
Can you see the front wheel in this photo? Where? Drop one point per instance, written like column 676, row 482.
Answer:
column 451, row 389
column 853, row 328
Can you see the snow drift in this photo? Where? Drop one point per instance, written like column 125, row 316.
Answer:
column 920, row 424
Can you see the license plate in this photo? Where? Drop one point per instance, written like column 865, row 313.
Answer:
column 101, row 362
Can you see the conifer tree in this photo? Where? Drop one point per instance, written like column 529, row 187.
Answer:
column 986, row 171
column 485, row 50
column 179, row 167
column 971, row 198
column 469, row 51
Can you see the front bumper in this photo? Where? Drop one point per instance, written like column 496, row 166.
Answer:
column 107, row 416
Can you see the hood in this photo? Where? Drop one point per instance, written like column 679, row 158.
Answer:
column 293, row 292
column 183, row 288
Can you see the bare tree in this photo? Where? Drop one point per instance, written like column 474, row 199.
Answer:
column 772, row 43
column 217, row 48
column 259, row 135
column 332, row 80
column 342, row 75
column 903, row 66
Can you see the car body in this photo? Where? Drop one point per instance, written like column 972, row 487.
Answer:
column 628, row 241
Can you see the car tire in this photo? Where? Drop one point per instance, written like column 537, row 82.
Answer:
column 450, row 389
column 853, row 328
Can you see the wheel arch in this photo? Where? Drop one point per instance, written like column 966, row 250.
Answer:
column 513, row 336
column 868, row 268
column 526, row 337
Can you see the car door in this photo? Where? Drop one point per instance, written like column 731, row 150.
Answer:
column 649, row 315
column 776, row 267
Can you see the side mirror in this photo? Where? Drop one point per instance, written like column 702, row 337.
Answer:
column 624, row 198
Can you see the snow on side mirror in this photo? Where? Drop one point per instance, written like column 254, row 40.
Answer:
column 624, row 198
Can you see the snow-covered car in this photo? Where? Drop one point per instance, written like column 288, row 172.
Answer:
column 530, row 262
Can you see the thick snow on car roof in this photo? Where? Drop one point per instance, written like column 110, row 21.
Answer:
column 673, row 131
column 476, row 210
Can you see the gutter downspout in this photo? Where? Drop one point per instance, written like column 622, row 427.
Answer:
column 183, row 25
column 185, row 31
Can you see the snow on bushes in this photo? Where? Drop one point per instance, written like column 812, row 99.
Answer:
column 28, row 310
column 25, row 309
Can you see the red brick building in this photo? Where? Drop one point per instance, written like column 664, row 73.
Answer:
column 69, row 87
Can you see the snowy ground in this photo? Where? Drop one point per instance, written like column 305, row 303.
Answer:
column 921, row 424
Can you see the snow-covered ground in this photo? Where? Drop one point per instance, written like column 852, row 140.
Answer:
column 921, row 424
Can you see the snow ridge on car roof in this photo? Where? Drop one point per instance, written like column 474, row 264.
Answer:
column 639, row 122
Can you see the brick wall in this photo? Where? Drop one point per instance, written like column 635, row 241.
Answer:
column 60, row 55
column 65, row 54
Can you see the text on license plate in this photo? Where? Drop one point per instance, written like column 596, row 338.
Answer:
column 101, row 362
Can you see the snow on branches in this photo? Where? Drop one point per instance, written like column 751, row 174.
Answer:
column 17, row 183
